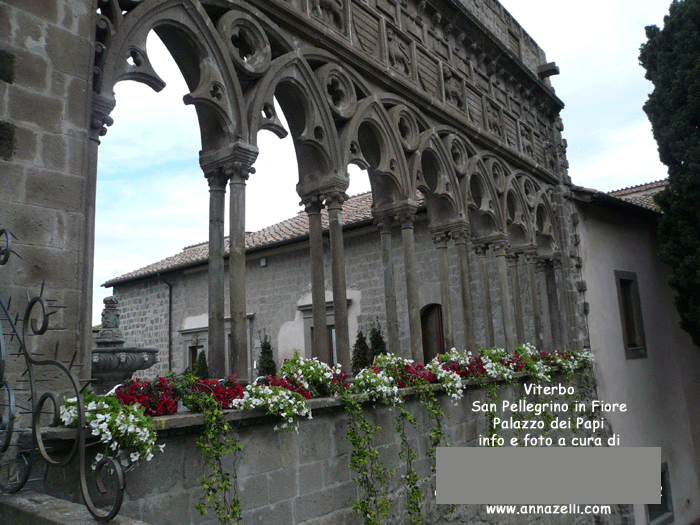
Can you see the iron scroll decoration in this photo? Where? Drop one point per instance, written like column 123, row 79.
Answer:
column 36, row 322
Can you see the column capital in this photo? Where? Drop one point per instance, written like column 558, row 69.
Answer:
column 384, row 223
column 100, row 120
column 217, row 178
column 313, row 204
column 334, row 199
column 240, row 171
column 541, row 264
column 406, row 219
column 557, row 261
column 460, row 235
column 530, row 253
column 499, row 246
column 440, row 240
column 512, row 258
column 481, row 249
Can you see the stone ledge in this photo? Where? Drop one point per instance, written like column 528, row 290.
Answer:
column 31, row 508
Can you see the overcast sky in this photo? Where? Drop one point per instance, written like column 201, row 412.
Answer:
column 152, row 199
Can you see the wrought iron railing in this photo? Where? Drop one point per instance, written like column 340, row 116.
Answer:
column 17, row 453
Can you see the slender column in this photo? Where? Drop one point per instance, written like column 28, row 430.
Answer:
column 239, row 360
column 499, row 250
column 334, row 203
column 217, row 179
column 460, row 238
column 530, row 257
column 517, row 301
column 562, row 310
column 440, row 241
column 409, row 257
column 480, row 250
column 313, row 206
column 392, row 316
column 547, row 331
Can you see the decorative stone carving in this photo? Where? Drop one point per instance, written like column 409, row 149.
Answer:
column 454, row 91
column 330, row 12
column 399, row 54
column 493, row 120
column 339, row 89
column 407, row 126
column 526, row 142
column 246, row 41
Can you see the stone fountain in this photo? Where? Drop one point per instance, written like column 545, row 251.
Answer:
column 112, row 362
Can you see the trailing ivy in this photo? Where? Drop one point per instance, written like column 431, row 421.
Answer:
column 410, row 480
column 220, row 486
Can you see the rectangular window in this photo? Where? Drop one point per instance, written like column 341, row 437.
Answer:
column 630, row 314
column 662, row 513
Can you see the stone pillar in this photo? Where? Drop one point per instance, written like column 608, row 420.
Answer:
column 313, row 206
column 499, row 250
column 530, row 257
column 409, row 257
column 440, row 241
column 239, row 359
column 480, row 250
column 216, row 358
column 460, row 238
column 560, row 286
column 547, row 329
column 392, row 316
column 517, row 300
column 334, row 203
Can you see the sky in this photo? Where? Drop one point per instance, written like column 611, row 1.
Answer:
column 153, row 200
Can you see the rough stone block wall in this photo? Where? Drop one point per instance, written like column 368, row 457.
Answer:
column 303, row 477
column 45, row 76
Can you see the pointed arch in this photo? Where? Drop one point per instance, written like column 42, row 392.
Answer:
column 198, row 50
column 291, row 80
column 481, row 199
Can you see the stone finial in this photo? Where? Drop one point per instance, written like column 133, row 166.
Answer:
column 110, row 334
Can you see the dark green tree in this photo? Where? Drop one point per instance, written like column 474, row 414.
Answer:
column 360, row 353
column 266, row 365
column 671, row 58
column 201, row 370
column 377, row 345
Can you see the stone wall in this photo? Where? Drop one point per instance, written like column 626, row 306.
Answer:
column 303, row 477
column 275, row 290
column 45, row 80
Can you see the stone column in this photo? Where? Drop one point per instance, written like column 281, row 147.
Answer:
column 313, row 206
column 392, row 316
column 517, row 301
column 217, row 179
column 560, row 286
column 547, row 329
column 499, row 250
column 440, row 241
column 480, row 250
column 239, row 362
column 334, row 203
column 409, row 257
column 531, row 258
column 460, row 238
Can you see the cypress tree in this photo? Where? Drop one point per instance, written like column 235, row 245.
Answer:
column 377, row 345
column 671, row 58
column 201, row 369
column 266, row 365
column 360, row 353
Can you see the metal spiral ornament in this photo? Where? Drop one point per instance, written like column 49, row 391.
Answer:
column 18, row 463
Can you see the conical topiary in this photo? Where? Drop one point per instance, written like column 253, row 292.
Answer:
column 360, row 354
column 201, row 369
column 266, row 365
column 377, row 345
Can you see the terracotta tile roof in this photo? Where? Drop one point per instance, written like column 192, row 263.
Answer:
column 355, row 209
column 642, row 194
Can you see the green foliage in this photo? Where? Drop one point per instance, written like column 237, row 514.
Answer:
column 220, row 486
column 377, row 345
column 201, row 370
column 671, row 58
column 266, row 365
column 410, row 480
column 360, row 354
column 370, row 476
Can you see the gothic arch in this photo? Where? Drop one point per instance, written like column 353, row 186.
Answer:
column 198, row 50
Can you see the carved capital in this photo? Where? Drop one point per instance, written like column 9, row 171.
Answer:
column 240, row 171
column 460, row 235
column 335, row 199
column 384, row 223
column 481, row 249
column 499, row 247
column 406, row 219
column 541, row 265
column 440, row 240
column 512, row 259
column 313, row 204
column 217, row 178
column 100, row 120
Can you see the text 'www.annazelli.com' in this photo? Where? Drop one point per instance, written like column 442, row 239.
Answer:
column 548, row 509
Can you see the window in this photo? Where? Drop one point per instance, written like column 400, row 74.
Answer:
column 630, row 314
column 662, row 513
column 431, row 328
